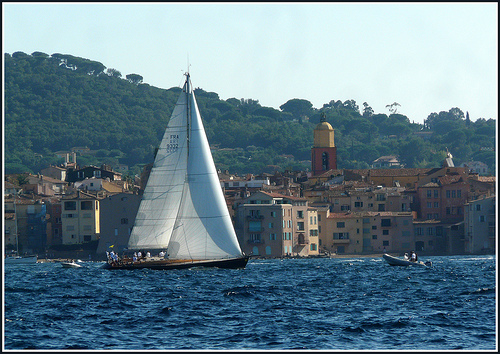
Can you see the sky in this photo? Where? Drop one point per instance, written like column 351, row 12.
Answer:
column 427, row 57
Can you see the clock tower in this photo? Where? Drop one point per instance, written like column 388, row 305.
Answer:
column 324, row 152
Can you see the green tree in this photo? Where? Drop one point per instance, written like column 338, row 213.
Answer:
column 297, row 107
column 134, row 79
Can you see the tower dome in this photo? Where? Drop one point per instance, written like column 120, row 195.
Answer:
column 324, row 152
column 324, row 134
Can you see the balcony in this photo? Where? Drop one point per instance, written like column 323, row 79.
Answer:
column 341, row 241
column 254, row 242
column 255, row 217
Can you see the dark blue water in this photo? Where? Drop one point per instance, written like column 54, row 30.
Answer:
column 340, row 304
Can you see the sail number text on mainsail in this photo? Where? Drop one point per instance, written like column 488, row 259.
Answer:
column 174, row 143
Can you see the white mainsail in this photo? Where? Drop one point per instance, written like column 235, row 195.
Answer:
column 183, row 207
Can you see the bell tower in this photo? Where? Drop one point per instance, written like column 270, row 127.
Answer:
column 324, row 152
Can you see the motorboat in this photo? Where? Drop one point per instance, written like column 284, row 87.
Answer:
column 71, row 264
column 395, row 261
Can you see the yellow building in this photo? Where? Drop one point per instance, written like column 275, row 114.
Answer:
column 312, row 214
column 80, row 219
column 365, row 232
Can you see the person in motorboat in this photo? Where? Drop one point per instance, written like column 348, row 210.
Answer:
column 413, row 256
column 406, row 256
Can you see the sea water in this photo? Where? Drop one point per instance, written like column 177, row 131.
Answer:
column 326, row 304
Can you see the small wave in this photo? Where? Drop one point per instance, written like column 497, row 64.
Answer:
column 351, row 329
column 166, row 310
column 481, row 291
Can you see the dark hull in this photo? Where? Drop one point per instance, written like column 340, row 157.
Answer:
column 166, row 264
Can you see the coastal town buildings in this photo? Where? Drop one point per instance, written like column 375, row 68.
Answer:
column 442, row 210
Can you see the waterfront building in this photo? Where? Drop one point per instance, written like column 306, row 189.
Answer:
column 26, row 219
column 80, row 218
column 312, row 216
column 365, row 232
column 273, row 225
column 480, row 219
column 117, row 215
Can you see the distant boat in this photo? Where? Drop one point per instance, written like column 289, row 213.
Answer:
column 71, row 264
column 21, row 260
column 183, row 210
column 394, row 261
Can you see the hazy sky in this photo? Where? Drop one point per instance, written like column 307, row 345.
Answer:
column 428, row 57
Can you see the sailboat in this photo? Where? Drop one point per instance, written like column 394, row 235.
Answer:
column 183, row 210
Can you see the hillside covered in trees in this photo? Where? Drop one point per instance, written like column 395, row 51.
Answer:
column 56, row 102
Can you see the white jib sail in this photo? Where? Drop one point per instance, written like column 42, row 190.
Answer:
column 162, row 195
column 183, row 206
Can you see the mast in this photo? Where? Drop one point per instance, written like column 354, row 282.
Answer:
column 188, row 110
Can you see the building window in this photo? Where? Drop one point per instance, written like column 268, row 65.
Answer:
column 459, row 193
column 429, row 216
column 436, row 204
column 340, row 235
column 254, row 226
column 429, row 194
column 374, row 227
column 481, row 218
column 358, row 204
column 385, row 232
column 447, row 194
column 124, row 221
column 448, row 211
column 319, row 217
column 385, row 243
column 300, row 214
column 300, row 226
column 429, row 204
column 386, row 222
column 478, row 207
column 340, row 224
column 86, row 205
column 70, row 205
column 273, row 214
column 116, row 232
column 436, row 193
column 453, row 193
column 430, row 231
column 374, row 237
